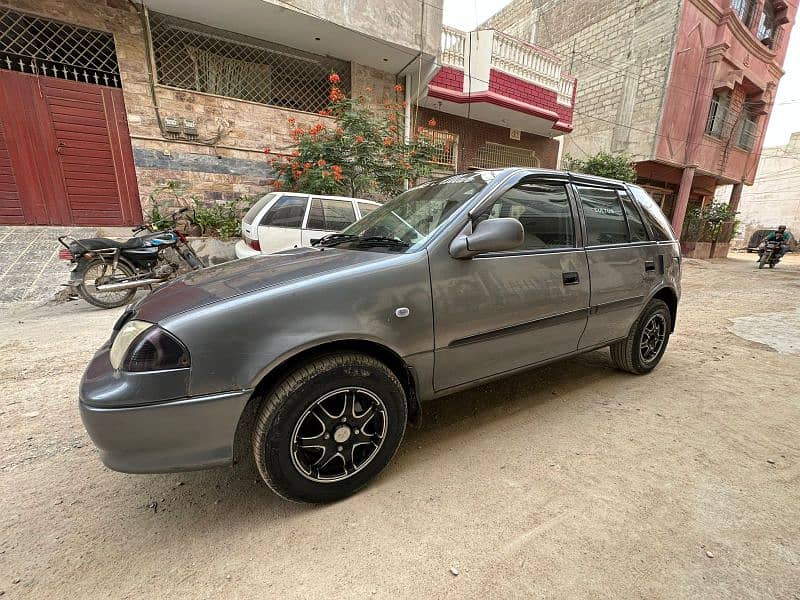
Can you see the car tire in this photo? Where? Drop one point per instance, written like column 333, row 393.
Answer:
column 87, row 291
column 647, row 340
column 329, row 427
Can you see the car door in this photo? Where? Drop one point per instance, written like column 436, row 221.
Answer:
column 327, row 215
column 622, row 262
column 279, row 227
column 502, row 311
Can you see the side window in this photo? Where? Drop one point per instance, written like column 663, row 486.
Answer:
column 366, row 208
column 288, row 211
column 659, row 225
column 543, row 209
column 605, row 219
column 635, row 223
column 330, row 215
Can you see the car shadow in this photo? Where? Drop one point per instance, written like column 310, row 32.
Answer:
column 234, row 496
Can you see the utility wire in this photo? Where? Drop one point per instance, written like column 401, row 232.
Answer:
column 415, row 55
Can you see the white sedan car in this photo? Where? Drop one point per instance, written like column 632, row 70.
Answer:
column 282, row 220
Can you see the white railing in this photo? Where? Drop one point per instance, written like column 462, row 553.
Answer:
column 566, row 88
column 525, row 61
column 453, row 42
column 490, row 49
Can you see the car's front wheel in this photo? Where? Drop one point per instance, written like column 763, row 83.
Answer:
column 329, row 427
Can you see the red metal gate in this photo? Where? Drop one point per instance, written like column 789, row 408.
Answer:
column 65, row 153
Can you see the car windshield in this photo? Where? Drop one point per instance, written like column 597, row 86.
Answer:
column 405, row 223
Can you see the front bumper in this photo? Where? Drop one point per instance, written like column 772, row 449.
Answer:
column 178, row 434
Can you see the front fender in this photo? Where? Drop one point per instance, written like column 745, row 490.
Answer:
column 234, row 343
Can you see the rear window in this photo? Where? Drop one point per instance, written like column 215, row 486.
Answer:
column 605, row 218
column 288, row 211
column 659, row 225
column 256, row 208
column 635, row 223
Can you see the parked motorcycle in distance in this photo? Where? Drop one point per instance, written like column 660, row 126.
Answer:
column 107, row 273
column 769, row 253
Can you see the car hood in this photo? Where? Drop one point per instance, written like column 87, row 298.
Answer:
column 242, row 276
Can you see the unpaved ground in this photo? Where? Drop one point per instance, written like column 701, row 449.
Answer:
column 573, row 481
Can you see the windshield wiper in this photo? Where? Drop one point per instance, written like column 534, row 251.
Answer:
column 382, row 241
column 335, row 238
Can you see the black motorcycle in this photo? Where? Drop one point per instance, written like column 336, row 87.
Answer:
column 769, row 253
column 107, row 273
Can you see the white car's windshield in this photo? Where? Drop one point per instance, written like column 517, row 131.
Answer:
column 406, row 222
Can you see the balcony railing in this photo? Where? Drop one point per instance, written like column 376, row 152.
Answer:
column 527, row 62
column 496, row 50
column 453, row 41
column 566, row 88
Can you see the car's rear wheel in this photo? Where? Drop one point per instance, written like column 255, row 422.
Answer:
column 647, row 340
column 329, row 427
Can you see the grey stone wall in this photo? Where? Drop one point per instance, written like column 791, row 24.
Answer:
column 234, row 164
column 619, row 51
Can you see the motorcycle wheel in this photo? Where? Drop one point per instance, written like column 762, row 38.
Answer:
column 88, row 290
column 763, row 260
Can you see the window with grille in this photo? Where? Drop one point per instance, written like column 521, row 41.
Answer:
column 745, row 9
column 748, row 127
column 718, row 115
column 446, row 144
column 498, row 156
column 767, row 25
column 195, row 57
column 39, row 46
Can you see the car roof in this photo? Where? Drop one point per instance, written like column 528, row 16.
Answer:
column 324, row 196
column 555, row 172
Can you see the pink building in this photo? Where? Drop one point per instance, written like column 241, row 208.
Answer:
column 684, row 87
column 728, row 59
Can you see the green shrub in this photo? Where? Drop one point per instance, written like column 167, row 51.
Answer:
column 220, row 219
column 715, row 223
column 216, row 219
column 603, row 164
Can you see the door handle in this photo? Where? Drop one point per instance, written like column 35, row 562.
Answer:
column 60, row 146
column 571, row 278
column 649, row 265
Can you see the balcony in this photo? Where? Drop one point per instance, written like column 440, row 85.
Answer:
column 496, row 78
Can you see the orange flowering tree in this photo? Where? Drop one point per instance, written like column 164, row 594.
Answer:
column 356, row 153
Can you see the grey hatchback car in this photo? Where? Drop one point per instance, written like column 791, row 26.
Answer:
column 316, row 358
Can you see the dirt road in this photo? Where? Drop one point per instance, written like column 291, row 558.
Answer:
column 572, row 481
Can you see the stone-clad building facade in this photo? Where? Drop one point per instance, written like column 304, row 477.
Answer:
column 103, row 102
column 217, row 146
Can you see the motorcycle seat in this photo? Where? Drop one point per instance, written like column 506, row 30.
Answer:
column 101, row 243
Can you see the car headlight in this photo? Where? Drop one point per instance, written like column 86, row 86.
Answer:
column 142, row 346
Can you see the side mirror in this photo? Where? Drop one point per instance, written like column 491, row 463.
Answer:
column 491, row 235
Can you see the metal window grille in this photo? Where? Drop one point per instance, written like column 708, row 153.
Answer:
column 195, row 57
column 744, row 8
column 496, row 156
column 446, row 144
column 718, row 116
column 39, row 46
column 767, row 25
column 748, row 127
